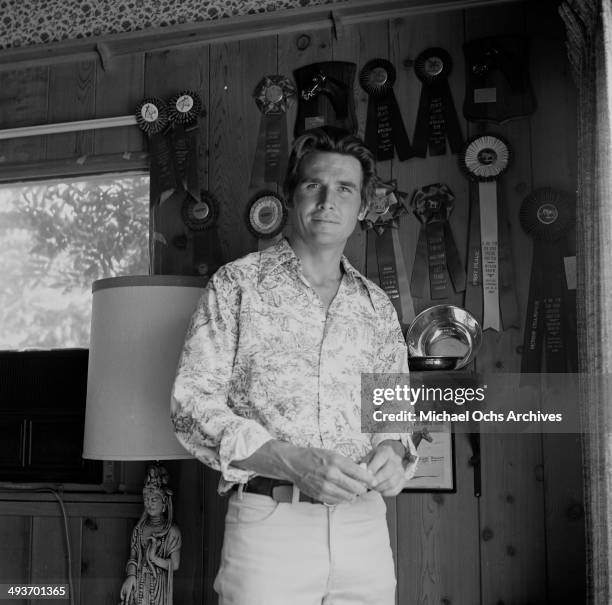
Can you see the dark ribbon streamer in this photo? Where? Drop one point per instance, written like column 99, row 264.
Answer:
column 184, row 110
column 437, row 117
column 384, row 131
column 473, row 286
column 547, row 215
column 152, row 119
column 437, row 253
column 273, row 95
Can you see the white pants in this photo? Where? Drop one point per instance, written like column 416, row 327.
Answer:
column 306, row 554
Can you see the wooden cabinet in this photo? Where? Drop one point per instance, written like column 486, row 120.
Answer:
column 34, row 547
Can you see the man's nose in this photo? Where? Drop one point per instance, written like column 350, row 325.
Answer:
column 326, row 197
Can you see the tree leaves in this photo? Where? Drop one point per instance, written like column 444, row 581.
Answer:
column 57, row 238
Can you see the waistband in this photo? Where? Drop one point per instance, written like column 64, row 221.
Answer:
column 277, row 489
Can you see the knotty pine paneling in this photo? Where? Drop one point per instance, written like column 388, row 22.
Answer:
column 23, row 101
column 235, row 70
column 15, row 532
column 72, row 96
column 105, row 551
column 434, row 524
column 512, row 504
column 187, row 483
column 553, row 152
column 49, row 551
column 119, row 90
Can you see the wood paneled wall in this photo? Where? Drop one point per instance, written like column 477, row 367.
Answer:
column 522, row 540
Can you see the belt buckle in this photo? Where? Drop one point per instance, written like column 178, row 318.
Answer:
column 280, row 493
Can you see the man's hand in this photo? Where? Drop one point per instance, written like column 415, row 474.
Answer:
column 385, row 462
column 321, row 474
column 329, row 477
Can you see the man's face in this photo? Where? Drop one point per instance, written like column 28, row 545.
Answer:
column 327, row 199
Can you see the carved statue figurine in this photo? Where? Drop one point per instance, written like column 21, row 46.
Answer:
column 155, row 548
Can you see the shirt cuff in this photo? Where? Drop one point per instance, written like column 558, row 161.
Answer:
column 411, row 457
column 238, row 445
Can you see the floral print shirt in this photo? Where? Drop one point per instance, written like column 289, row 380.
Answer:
column 264, row 360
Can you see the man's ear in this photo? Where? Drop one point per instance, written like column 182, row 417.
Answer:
column 363, row 212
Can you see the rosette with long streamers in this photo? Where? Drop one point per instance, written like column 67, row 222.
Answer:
column 325, row 96
column 385, row 129
column 547, row 215
column 386, row 253
column 437, row 117
column 199, row 216
column 184, row 109
column 484, row 159
column 266, row 216
column 437, row 253
column 181, row 216
column 152, row 119
column 273, row 95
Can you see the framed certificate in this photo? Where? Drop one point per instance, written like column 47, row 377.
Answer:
column 436, row 468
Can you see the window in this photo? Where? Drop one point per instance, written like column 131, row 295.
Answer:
column 58, row 237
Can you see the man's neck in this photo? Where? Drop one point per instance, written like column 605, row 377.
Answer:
column 319, row 264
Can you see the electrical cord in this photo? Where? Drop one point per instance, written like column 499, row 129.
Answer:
column 58, row 497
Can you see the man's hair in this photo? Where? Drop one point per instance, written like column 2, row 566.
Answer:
column 334, row 140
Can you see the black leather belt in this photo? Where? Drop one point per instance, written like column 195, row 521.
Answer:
column 281, row 491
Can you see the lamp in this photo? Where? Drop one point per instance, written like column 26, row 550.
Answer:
column 137, row 330
column 138, row 326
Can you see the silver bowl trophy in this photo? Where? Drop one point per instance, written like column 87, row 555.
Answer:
column 443, row 337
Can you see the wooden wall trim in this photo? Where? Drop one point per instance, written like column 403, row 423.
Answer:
column 74, row 509
column 37, row 495
column 42, row 504
column 85, row 165
column 109, row 48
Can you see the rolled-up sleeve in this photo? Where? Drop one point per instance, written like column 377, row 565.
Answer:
column 202, row 417
column 392, row 358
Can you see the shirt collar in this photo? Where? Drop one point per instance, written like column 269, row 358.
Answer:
column 281, row 254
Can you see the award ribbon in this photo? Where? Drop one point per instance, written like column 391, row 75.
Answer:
column 385, row 129
column 484, row 159
column 184, row 109
column 383, row 218
column 266, row 216
column 199, row 215
column 437, row 117
column 179, row 220
column 473, row 286
column 152, row 119
column 436, row 248
column 547, row 215
column 273, row 95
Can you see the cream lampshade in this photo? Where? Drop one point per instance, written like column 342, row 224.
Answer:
column 137, row 330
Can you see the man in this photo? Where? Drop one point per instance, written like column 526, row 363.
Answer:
column 268, row 392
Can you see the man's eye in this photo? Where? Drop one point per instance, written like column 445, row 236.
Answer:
column 345, row 189
column 312, row 185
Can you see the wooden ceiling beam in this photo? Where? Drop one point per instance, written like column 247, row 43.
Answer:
column 109, row 48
